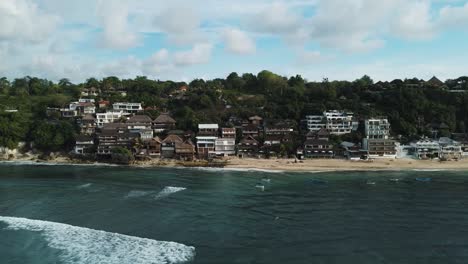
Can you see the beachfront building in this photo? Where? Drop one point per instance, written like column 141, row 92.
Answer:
column 151, row 148
column 114, row 135
column 248, row 146
column 426, row 149
column 168, row 146
column 226, row 145
column 164, row 122
column 377, row 139
column 318, row 149
column 126, row 107
column 108, row 117
column 185, row 150
column 462, row 139
column 450, row 149
column 83, row 145
column 206, row 140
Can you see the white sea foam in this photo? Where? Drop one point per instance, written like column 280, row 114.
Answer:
column 138, row 193
column 237, row 170
column 47, row 163
column 168, row 191
column 84, row 186
column 84, row 245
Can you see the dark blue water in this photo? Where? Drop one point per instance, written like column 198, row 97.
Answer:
column 342, row 217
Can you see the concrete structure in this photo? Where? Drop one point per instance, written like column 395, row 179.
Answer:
column 377, row 139
column 426, row 149
column 318, row 148
column 108, row 117
column 128, row 107
column 206, row 140
column 83, row 145
column 450, row 149
column 336, row 122
column 316, row 122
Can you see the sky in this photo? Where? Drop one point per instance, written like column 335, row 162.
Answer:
column 186, row 39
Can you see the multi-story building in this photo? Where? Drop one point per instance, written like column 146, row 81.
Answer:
column 164, row 122
column 427, row 149
column 114, row 135
column 339, row 123
column 226, row 145
column 450, row 149
column 83, row 145
column 128, row 107
column 88, row 124
column 108, row 117
column 318, row 148
column 206, row 140
column 377, row 139
column 316, row 122
column 336, row 122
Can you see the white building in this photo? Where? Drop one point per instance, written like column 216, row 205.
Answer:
column 83, row 145
column 377, row 139
column 339, row 123
column 108, row 117
column 225, row 146
column 450, row 149
column 206, row 139
column 336, row 122
column 128, row 107
column 377, row 128
column 426, row 149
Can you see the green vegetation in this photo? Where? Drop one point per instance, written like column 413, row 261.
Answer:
column 411, row 105
column 122, row 156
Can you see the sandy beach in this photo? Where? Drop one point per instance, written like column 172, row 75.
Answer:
column 278, row 164
column 346, row 165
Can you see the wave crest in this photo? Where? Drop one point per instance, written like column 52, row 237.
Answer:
column 84, row 245
column 168, row 191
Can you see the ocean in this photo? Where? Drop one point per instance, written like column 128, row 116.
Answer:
column 111, row 214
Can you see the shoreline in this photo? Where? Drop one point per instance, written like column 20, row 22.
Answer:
column 268, row 165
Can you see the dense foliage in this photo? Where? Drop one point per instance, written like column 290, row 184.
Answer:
column 411, row 105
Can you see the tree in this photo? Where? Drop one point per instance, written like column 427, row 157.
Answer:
column 122, row 155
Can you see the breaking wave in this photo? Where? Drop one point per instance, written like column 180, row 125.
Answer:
column 84, row 186
column 238, row 170
column 136, row 194
column 168, row 191
column 84, row 245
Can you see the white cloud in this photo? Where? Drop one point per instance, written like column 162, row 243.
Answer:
column 237, row 41
column 116, row 31
column 22, row 20
column 415, row 21
column 275, row 19
column 199, row 54
column 453, row 17
column 180, row 23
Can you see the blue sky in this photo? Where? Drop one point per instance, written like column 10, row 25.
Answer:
column 183, row 40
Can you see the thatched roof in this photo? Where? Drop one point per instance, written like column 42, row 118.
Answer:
column 434, row 81
column 139, row 119
column 172, row 139
column 164, row 118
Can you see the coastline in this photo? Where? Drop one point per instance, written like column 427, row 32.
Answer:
column 268, row 165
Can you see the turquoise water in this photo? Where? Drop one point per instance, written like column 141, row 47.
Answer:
column 83, row 214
